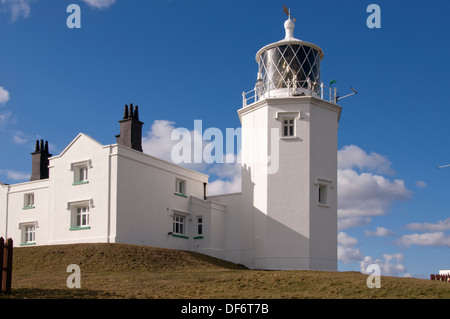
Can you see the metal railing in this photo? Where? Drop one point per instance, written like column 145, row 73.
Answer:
column 299, row 88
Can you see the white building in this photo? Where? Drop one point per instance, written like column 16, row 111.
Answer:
column 284, row 218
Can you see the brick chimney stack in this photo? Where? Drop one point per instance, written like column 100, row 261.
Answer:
column 39, row 165
column 130, row 129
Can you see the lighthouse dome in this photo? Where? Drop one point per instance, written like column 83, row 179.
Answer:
column 289, row 64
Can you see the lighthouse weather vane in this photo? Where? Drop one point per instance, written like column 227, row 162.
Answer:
column 288, row 12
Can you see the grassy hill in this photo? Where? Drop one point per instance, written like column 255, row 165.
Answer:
column 128, row 271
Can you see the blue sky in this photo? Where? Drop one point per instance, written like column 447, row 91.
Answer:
column 182, row 60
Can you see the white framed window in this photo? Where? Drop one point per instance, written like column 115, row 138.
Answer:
column 28, row 233
column 28, row 201
column 288, row 129
column 179, row 224
column 80, row 214
column 199, row 225
column 180, row 187
column 81, row 172
column 288, row 124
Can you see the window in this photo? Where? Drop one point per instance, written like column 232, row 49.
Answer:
column 28, row 201
column 82, row 217
column 288, row 123
column 81, row 172
column 180, row 187
column 323, row 188
column 29, row 234
column 80, row 214
column 323, row 194
column 199, row 225
column 178, row 225
column 288, row 127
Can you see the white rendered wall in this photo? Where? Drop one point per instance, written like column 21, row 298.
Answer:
column 323, row 150
column 4, row 189
column 278, row 203
column 14, row 214
column 97, row 192
column 237, row 226
column 146, row 200
column 212, row 240
column 288, row 193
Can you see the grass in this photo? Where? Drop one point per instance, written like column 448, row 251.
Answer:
column 117, row 271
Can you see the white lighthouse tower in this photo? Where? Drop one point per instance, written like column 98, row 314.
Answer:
column 289, row 159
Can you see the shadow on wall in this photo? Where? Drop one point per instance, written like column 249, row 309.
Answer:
column 263, row 240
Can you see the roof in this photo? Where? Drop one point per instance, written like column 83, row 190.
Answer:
column 289, row 39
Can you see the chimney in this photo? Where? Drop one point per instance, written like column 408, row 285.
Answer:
column 130, row 129
column 39, row 161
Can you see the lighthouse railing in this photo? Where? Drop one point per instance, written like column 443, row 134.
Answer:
column 306, row 88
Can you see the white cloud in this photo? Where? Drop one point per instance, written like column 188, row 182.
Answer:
column 19, row 137
column 367, row 194
column 345, row 240
column 421, row 184
column 17, row 8
column 230, row 176
column 157, row 142
column 220, row 186
column 439, row 226
column 425, row 239
column 350, row 222
column 15, row 175
column 392, row 265
column 4, row 118
column 100, row 4
column 4, row 95
column 19, row 140
column 347, row 253
column 351, row 156
column 380, row 232
column 362, row 191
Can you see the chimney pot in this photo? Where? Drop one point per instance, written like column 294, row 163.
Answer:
column 136, row 113
column 130, row 114
column 125, row 112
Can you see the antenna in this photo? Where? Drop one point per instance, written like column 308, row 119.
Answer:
column 288, row 12
column 354, row 92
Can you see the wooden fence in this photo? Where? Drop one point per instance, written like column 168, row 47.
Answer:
column 440, row 277
column 6, row 258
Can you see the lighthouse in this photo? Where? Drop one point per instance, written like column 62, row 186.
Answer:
column 289, row 159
